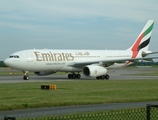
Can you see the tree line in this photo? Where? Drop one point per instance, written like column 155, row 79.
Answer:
column 145, row 64
column 2, row 64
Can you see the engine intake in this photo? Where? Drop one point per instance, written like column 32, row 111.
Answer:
column 94, row 70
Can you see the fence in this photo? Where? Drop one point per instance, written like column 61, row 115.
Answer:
column 110, row 115
column 152, row 112
column 148, row 113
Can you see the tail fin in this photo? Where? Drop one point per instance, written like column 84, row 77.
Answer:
column 142, row 42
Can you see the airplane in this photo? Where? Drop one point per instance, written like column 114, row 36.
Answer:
column 92, row 63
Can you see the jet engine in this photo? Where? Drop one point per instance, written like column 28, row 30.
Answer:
column 94, row 70
column 43, row 73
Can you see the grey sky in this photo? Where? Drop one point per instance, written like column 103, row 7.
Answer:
column 74, row 24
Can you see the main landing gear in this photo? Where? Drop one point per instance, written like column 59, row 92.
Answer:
column 26, row 77
column 103, row 77
column 74, row 76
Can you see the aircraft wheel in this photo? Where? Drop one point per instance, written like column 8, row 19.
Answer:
column 97, row 78
column 107, row 77
column 26, row 77
column 78, row 76
column 74, row 76
column 69, row 76
column 102, row 77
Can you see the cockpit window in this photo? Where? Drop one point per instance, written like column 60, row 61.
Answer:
column 14, row 56
column 11, row 56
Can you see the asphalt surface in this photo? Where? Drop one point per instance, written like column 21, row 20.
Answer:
column 118, row 74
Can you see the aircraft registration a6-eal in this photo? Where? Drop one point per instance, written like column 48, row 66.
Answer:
column 93, row 63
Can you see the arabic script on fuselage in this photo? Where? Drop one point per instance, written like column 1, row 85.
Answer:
column 82, row 53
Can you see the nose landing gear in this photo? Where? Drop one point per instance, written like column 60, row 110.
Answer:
column 26, row 77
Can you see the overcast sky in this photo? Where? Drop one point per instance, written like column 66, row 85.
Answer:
column 74, row 24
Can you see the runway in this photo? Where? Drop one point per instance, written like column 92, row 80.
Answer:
column 118, row 74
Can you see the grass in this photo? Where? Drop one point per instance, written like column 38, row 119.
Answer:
column 29, row 95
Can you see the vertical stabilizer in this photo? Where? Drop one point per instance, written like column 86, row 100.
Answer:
column 142, row 42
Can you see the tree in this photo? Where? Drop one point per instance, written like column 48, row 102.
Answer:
column 2, row 64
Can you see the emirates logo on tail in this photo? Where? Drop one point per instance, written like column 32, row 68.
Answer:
column 143, row 39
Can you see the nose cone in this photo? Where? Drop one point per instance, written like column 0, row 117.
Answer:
column 8, row 62
column 13, row 63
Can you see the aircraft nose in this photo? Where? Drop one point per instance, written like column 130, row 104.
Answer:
column 7, row 62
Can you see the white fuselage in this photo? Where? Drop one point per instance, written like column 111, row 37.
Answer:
column 61, row 60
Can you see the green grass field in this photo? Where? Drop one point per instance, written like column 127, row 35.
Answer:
column 78, row 92
column 29, row 95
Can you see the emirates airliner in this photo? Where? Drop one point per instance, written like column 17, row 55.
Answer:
column 92, row 63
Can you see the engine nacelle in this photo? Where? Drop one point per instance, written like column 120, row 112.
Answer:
column 43, row 73
column 94, row 70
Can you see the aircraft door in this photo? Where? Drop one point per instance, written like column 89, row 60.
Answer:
column 29, row 57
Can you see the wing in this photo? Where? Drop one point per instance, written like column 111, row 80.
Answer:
column 107, row 63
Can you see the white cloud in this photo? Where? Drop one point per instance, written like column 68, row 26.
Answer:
column 79, row 9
